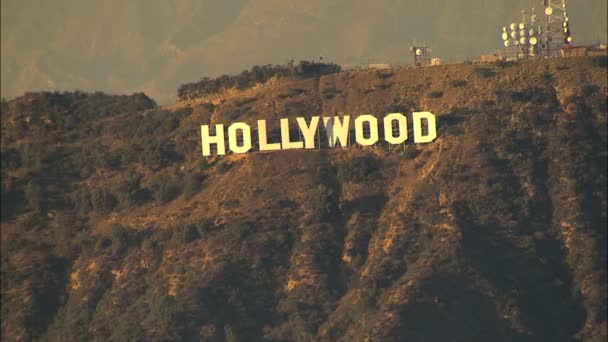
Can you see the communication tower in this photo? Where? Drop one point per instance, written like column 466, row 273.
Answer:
column 531, row 38
column 557, row 27
column 422, row 55
column 522, row 39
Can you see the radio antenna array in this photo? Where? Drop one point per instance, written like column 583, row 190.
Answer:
column 422, row 55
column 557, row 27
column 530, row 38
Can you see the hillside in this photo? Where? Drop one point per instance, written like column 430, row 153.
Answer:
column 115, row 228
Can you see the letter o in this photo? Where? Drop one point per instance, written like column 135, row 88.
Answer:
column 232, row 137
column 388, row 128
column 373, row 130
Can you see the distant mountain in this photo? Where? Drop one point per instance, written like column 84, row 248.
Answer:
column 155, row 45
column 115, row 228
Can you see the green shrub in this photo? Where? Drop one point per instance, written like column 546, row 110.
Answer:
column 164, row 309
column 32, row 156
column 102, row 201
column 485, row 72
column 203, row 164
column 411, row 152
column 127, row 190
column 323, row 201
column 384, row 74
column 291, row 92
column 185, row 234
column 21, row 126
column 165, row 188
column 233, row 234
column 191, row 185
column 204, row 227
column 257, row 74
column 10, row 160
column 329, row 93
column 589, row 89
column 458, row 83
column 81, row 201
column 151, row 152
column 547, row 76
column 358, row 169
column 223, row 166
column 34, row 196
column 435, row 94
column 119, row 238
column 10, row 199
column 505, row 64
column 598, row 61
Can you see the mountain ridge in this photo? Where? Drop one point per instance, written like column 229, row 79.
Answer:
column 153, row 46
column 118, row 229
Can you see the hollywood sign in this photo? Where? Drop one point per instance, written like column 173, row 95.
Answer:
column 367, row 133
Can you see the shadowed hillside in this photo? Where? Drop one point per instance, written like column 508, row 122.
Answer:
column 115, row 228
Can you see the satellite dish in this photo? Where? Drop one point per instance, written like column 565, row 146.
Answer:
column 504, row 29
column 569, row 39
column 548, row 11
column 513, row 34
column 513, row 26
column 507, row 43
column 522, row 40
column 522, row 33
column 522, row 26
column 517, row 42
column 565, row 24
column 533, row 41
column 531, row 31
column 418, row 52
column 505, row 36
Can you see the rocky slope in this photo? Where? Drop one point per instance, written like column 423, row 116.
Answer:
column 114, row 227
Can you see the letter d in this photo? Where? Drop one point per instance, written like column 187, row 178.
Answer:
column 431, row 125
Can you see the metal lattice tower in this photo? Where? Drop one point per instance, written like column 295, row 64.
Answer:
column 520, row 39
column 422, row 55
column 533, row 37
column 557, row 27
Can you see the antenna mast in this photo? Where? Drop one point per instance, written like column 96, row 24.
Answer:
column 531, row 38
column 422, row 54
column 557, row 29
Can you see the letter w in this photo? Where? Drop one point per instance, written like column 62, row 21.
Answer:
column 337, row 131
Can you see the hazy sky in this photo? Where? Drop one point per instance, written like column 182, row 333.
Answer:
column 153, row 46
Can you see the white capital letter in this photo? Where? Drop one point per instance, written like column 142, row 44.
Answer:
column 337, row 131
column 263, row 137
column 218, row 139
column 308, row 131
column 432, row 129
column 388, row 128
column 232, row 140
column 373, row 130
column 285, row 138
